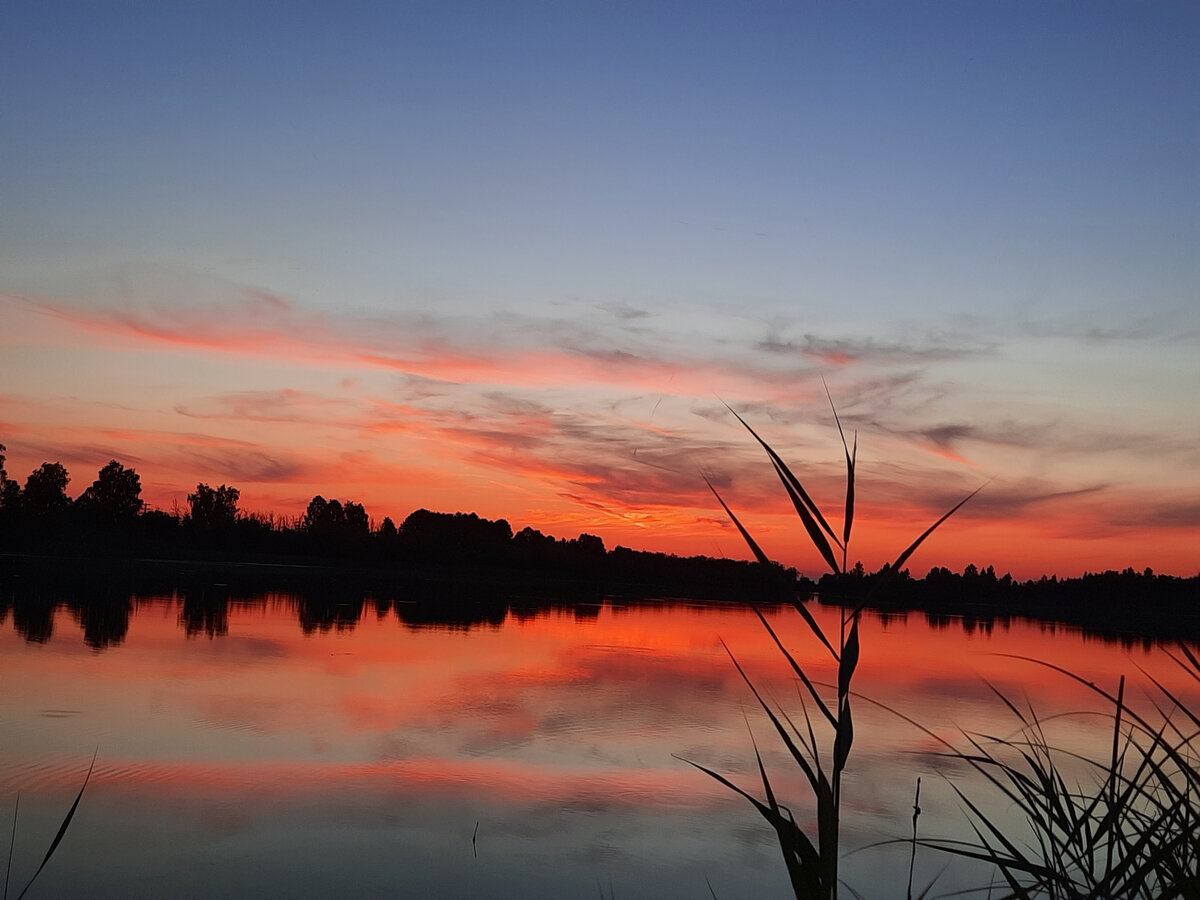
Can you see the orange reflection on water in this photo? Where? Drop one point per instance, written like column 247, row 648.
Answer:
column 540, row 719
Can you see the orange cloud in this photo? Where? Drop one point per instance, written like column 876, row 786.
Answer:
column 526, row 420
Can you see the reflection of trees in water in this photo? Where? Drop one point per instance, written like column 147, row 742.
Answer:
column 325, row 599
column 328, row 610
column 33, row 616
column 457, row 614
column 205, row 611
column 103, row 616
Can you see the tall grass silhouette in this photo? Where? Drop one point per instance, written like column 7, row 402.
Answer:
column 58, row 837
column 1120, row 823
column 812, row 859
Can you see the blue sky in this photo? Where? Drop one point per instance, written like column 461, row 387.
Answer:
column 979, row 222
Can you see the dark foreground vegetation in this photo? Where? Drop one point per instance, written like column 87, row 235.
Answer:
column 334, row 544
column 1130, row 827
column 336, row 548
column 1120, row 605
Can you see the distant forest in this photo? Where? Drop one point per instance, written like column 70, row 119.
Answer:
column 109, row 524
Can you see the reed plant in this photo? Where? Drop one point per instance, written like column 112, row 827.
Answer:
column 821, row 746
column 1121, row 823
column 58, row 837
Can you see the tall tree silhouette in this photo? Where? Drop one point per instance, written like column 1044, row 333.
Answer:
column 457, row 536
column 45, row 494
column 358, row 523
column 115, row 495
column 10, row 491
column 323, row 516
column 332, row 518
column 213, row 509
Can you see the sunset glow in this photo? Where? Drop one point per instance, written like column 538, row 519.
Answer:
column 515, row 261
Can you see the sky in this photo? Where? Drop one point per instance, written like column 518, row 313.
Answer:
column 521, row 259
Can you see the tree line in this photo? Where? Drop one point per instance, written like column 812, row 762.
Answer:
column 109, row 517
column 111, row 512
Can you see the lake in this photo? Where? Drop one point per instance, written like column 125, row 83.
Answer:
column 273, row 746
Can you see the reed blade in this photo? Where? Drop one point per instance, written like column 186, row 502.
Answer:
column 753, row 544
column 850, row 459
column 811, row 622
column 903, row 557
column 844, row 739
column 811, row 770
column 62, row 829
column 796, row 667
column 786, row 473
column 849, row 660
column 722, row 780
column 806, row 516
column 11, row 841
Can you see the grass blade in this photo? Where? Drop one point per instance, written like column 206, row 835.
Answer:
column 1113, row 769
column 11, row 841
column 811, row 622
column 850, row 458
column 796, row 667
column 912, row 859
column 753, row 544
column 903, row 557
column 849, row 660
column 783, row 733
column 803, row 510
column 844, row 738
column 790, row 481
column 62, row 829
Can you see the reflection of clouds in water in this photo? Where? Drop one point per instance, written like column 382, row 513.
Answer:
column 243, row 713
column 556, row 735
column 250, row 648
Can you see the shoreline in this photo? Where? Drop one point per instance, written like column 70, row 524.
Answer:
column 477, row 593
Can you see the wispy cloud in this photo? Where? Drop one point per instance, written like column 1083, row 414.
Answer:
column 284, row 405
column 578, row 416
column 1181, row 323
column 844, row 351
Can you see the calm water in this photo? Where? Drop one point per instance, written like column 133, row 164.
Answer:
column 259, row 749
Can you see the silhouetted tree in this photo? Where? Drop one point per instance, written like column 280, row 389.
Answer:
column 158, row 527
column 459, row 537
column 387, row 529
column 115, row 495
column 316, row 517
column 45, row 494
column 10, row 493
column 357, row 522
column 589, row 545
column 533, row 540
column 213, row 509
column 330, row 518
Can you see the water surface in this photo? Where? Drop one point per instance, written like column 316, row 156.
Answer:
column 268, row 746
